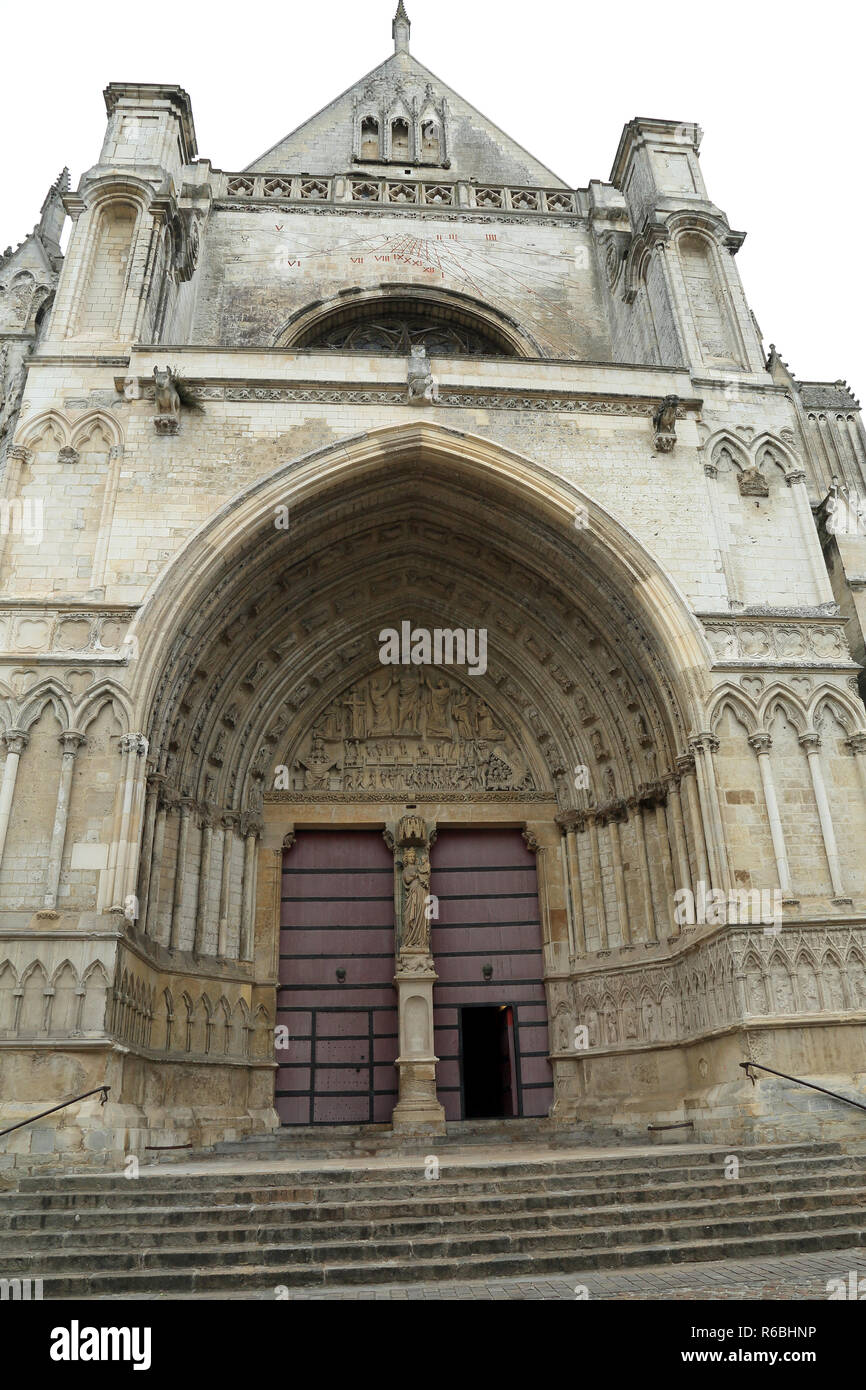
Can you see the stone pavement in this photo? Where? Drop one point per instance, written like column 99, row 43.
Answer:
column 783, row 1277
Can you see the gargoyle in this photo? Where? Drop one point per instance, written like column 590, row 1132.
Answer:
column 665, row 424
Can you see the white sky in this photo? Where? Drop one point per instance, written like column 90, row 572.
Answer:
column 777, row 88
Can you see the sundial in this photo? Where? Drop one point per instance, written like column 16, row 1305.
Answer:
column 476, row 262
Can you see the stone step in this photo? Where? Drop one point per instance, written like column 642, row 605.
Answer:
column 289, row 1256
column 329, row 1225
column 259, row 1277
column 317, row 1185
column 588, row 1160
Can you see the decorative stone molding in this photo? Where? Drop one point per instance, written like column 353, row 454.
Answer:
column 738, row 641
column 466, row 398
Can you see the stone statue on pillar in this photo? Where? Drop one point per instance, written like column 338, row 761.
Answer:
column 417, row 1109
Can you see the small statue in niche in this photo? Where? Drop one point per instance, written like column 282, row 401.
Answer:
column 167, row 400
column 422, row 388
column 416, row 886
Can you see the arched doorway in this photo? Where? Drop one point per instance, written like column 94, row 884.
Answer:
column 273, row 715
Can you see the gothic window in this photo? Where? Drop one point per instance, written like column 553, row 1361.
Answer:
column 397, row 326
column 369, row 138
column 400, row 139
column 430, row 143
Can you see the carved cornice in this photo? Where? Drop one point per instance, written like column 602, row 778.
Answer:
column 461, row 397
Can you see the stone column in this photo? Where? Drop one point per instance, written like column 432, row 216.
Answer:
column 186, row 806
column 635, row 805
column 155, row 781
column 683, row 869
column 417, row 1108
column 703, row 747
column 149, row 914
column 228, row 825
column 251, row 830
column 16, row 741
column 762, row 744
column 796, row 481
column 568, row 824
column 201, row 906
column 687, row 770
column 665, row 862
column 16, row 456
column 811, row 742
column 132, row 748
column 857, row 744
column 618, row 876
column 70, row 743
column 598, row 886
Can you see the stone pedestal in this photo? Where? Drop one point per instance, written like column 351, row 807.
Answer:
column 417, row 1109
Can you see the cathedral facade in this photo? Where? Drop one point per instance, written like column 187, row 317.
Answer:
column 431, row 630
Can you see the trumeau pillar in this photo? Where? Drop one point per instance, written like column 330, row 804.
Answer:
column 16, row 741
column 417, row 1106
column 811, row 742
column 761, row 744
column 70, row 742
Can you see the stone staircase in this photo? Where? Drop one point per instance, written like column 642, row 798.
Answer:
column 240, row 1229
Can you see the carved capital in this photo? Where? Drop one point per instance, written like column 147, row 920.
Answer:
column 413, row 830
column 796, row 475
column 67, row 455
column 530, row 840
column 16, row 740
column 760, row 742
column 289, row 839
column 19, row 452
column 685, row 765
column 71, row 741
column 134, row 743
column 811, row 741
column 856, row 743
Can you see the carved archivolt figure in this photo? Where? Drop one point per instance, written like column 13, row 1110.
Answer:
column 416, row 887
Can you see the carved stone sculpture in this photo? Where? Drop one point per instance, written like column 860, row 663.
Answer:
column 167, row 400
column 665, row 424
column 422, row 388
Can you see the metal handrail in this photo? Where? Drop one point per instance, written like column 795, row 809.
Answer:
column 798, row 1081
column 61, row 1106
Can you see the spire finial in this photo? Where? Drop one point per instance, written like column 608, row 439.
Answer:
column 400, row 27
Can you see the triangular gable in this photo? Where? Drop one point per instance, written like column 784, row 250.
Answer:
column 477, row 148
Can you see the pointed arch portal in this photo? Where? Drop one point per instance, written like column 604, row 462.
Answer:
column 271, row 717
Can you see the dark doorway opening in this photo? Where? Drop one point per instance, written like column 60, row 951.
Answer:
column 487, row 1051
